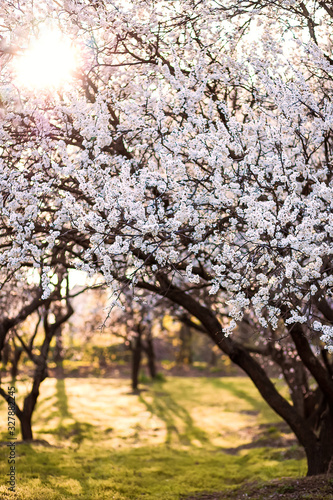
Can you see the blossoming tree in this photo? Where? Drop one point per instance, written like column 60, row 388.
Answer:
column 190, row 155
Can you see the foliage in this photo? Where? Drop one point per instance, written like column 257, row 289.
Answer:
column 208, row 160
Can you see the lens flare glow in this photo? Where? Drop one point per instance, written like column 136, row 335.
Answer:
column 48, row 62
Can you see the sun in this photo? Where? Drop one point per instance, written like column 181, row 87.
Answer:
column 48, row 62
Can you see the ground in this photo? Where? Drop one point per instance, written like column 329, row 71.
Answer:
column 306, row 488
column 180, row 438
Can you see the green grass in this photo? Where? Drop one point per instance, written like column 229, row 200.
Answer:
column 175, row 438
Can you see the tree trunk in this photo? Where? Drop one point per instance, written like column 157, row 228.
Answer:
column 319, row 460
column 151, row 357
column 58, row 350
column 15, row 362
column 185, row 352
column 136, row 359
column 29, row 405
column 320, row 456
column 26, row 428
column 5, row 354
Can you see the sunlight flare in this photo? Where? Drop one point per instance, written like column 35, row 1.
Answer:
column 49, row 62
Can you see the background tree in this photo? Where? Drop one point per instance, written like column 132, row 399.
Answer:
column 53, row 313
column 133, row 321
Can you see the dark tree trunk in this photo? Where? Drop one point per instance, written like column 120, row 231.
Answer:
column 5, row 353
column 26, row 428
column 40, row 374
column 15, row 362
column 58, row 356
column 58, row 350
column 213, row 358
column 24, row 415
column 320, row 459
column 151, row 356
column 136, row 359
column 320, row 456
column 185, row 352
column 29, row 404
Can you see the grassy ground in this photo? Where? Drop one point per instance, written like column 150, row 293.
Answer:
column 97, row 440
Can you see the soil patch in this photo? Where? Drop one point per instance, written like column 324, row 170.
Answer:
column 306, row 488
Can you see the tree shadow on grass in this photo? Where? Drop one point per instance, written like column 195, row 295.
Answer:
column 75, row 431
column 233, row 387
column 178, row 421
column 136, row 392
column 62, row 399
column 49, row 409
